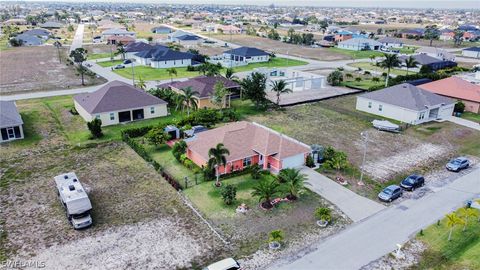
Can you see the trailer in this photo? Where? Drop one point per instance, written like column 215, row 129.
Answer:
column 74, row 199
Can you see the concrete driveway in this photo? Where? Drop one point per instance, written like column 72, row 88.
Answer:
column 464, row 122
column 378, row 235
column 353, row 205
column 78, row 38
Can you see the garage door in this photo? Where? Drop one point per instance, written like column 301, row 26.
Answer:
column 293, row 161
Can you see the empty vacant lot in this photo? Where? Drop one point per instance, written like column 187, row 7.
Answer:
column 37, row 68
column 134, row 210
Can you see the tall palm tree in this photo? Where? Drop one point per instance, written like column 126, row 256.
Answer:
column 452, row 221
column 294, row 182
column 280, row 87
column 172, row 71
column 189, row 99
column 229, row 74
column 410, row 62
column 141, row 83
column 121, row 50
column 266, row 190
column 466, row 214
column 390, row 61
column 218, row 157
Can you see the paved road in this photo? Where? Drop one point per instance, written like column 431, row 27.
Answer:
column 353, row 205
column 464, row 122
column 78, row 38
column 378, row 235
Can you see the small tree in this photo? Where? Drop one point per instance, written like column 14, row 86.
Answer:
column 220, row 93
column 329, row 153
column 358, row 79
column 310, row 162
column 467, row 213
column 280, row 87
column 338, row 161
column 171, row 71
column 452, row 221
column 141, row 83
column 390, row 61
column 335, row 78
column 459, row 107
column 218, row 157
column 294, row 182
column 323, row 213
column 79, row 56
column 229, row 193
column 95, row 127
column 265, row 191
column 157, row 136
column 178, row 149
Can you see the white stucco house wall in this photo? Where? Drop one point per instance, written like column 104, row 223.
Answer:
column 359, row 44
column 11, row 123
column 163, row 57
column 246, row 54
column 406, row 103
column 473, row 52
column 118, row 102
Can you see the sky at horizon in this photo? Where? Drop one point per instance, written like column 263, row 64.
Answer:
column 463, row 4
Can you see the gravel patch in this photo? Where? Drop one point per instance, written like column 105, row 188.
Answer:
column 409, row 256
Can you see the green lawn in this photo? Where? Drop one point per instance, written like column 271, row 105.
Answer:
column 475, row 117
column 153, row 74
column 94, row 56
column 363, row 84
column 462, row 252
column 110, row 63
column 371, row 67
column 357, row 54
column 408, row 49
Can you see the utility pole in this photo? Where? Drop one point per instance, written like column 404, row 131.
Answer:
column 365, row 137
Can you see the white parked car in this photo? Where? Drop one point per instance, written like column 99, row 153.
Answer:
column 226, row 264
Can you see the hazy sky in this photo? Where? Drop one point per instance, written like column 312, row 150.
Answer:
column 465, row 4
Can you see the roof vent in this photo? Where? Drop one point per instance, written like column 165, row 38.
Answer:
column 75, row 180
column 71, row 187
column 65, row 176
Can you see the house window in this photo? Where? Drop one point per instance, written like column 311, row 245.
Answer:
column 247, row 162
column 422, row 116
column 112, row 116
column 369, row 104
column 380, row 107
column 152, row 110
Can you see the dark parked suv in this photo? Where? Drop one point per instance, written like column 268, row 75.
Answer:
column 390, row 193
column 412, row 182
column 458, row 164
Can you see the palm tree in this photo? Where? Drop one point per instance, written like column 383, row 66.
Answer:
column 218, row 157
column 280, row 87
column 466, row 214
column 141, row 83
column 410, row 62
column 189, row 99
column 121, row 50
column 266, row 190
column 390, row 61
column 229, row 74
column 294, row 182
column 172, row 71
column 452, row 221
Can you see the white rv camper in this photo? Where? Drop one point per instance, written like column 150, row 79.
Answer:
column 74, row 199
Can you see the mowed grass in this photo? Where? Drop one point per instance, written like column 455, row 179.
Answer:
column 372, row 67
column 357, row 54
column 475, row 117
column 153, row 74
column 364, row 84
column 462, row 252
column 109, row 63
column 94, row 56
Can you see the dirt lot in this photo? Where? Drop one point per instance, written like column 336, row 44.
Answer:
column 139, row 220
column 282, row 48
column 37, row 68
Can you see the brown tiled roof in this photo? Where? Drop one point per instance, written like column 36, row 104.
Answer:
column 245, row 139
column 116, row 96
column 454, row 87
column 204, row 85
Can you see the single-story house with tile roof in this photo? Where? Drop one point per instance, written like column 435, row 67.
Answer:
column 204, row 85
column 124, row 40
column 118, row 102
column 117, row 32
column 457, row 88
column 29, row 40
column 247, row 54
column 11, row 123
column 134, row 47
column 391, row 42
column 424, row 59
column 51, row 25
column 473, row 52
column 406, row 103
column 359, row 44
column 342, row 35
column 163, row 57
column 161, row 30
column 412, row 33
column 248, row 143
column 439, row 53
column 188, row 40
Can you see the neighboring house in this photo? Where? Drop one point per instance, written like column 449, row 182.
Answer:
column 227, row 29
column 439, row 53
column 248, row 144
column 118, row 32
column 162, row 57
column 40, row 33
column 359, row 44
column 188, row 40
column 406, row 103
column 391, row 42
column 11, row 123
column 173, row 36
column 51, row 25
column 134, row 47
column 457, row 88
column 471, row 52
column 161, row 30
column 247, row 55
column 446, row 34
column 426, row 60
column 118, row 102
column 204, row 85
column 413, row 33
column 28, row 40
column 124, row 40
column 343, row 36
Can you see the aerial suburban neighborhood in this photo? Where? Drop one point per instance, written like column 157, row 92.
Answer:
column 256, row 135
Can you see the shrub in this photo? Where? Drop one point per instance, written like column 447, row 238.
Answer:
column 190, row 68
column 323, row 213
column 459, row 107
column 329, row 153
column 136, row 132
column 229, row 193
column 310, row 162
column 95, row 127
column 335, row 78
column 358, row 79
column 157, row 135
column 425, row 69
column 276, row 236
column 179, row 149
column 255, row 171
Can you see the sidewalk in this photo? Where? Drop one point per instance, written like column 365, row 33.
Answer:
column 353, row 205
column 464, row 122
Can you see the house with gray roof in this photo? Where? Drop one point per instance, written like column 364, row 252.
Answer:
column 391, row 42
column 29, row 40
column 359, row 44
column 11, row 123
column 134, row 47
column 406, row 103
column 51, row 25
column 163, row 57
column 118, row 102
column 247, row 54
column 38, row 32
column 117, row 32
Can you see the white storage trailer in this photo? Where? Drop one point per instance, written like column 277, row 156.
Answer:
column 74, row 199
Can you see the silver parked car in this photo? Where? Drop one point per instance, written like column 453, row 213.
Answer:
column 458, row 164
